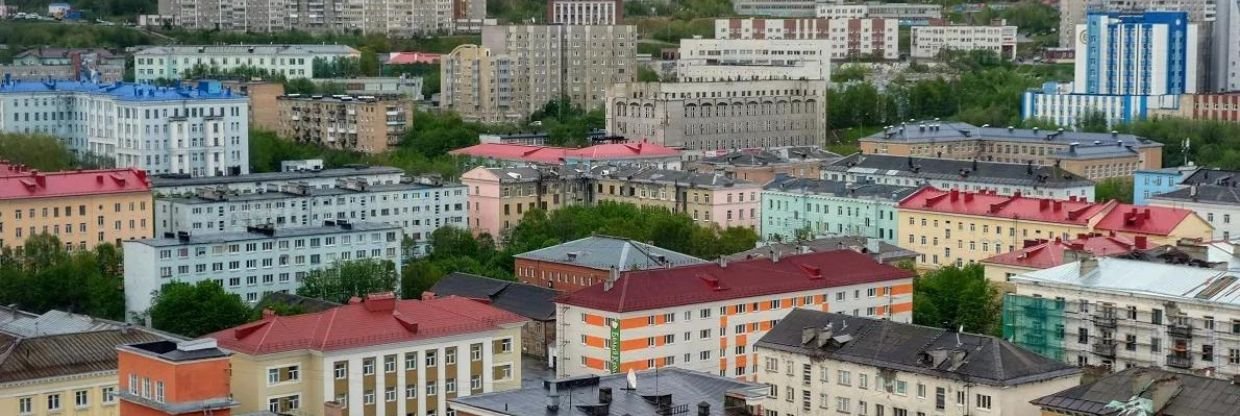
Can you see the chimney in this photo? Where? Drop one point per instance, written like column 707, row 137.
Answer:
column 1058, row 205
column 553, row 398
column 334, row 409
column 807, row 334
column 1043, row 204
column 613, row 275
column 825, row 334
column 1088, row 265
column 873, row 246
column 775, row 256
column 955, row 194
column 1141, row 241
column 1192, row 191
column 703, row 409
column 39, row 178
column 604, row 395
column 968, row 197
column 380, row 302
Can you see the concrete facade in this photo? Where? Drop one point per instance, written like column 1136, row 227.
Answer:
column 403, row 18
column 931, row 41
column 708, row 59
column 291, row 61
column 814, row 207
column 363, row 123
column 720, row 114
column 848, row 38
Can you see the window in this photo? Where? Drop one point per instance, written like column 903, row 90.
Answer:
column 109, row 395
column 449, row 385
column 25, row 405
column 475, row 352
column 411, row 392
column 368, row 397
column 368, row 366
column 159, row 391
column 1207, row 352
column 983, row 401
column 940, row 398
column 431, row 388
column 844, row 378
column 389, row 394
column 505, row 345
column 273, row 376
column 341, row 369
column 431, row 359
column 921, row 391
column 81, row 398
column 475, row 382
column 841, row 404
column 389, row 364
column 53, row 402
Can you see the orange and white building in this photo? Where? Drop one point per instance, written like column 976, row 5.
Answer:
column 707, row 317
column 166, row 378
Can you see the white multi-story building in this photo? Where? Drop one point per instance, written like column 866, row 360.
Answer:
column 1226, row 51
column 818, row 363
column 314, row 177
column 1125, row 313
column 847, row 38
column 749, row 58
column 1219, row 205
column 1055, row 103
column 385, row 17
column 419, row 208
column 718, row 312
column 720, row 114
column 199, row 131
column 908, row 14
column 585, row 12
column 930, row 41
column 251, row 263
column 291, row 61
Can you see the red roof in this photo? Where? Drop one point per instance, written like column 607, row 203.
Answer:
column 1043, row 254
column 556, row 155
column 1072, row 211
column 405, row 58
column 18, row 182
column 710, row 282
column 380, row 319
column 1128, row 218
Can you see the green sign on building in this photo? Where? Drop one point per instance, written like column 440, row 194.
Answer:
column 615, row 346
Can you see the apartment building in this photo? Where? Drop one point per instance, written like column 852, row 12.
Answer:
column 933, row 223
column 1166, row 392
column 365, row 123
column 908, row 14
column 675, row 391
column 278, row 257
column 199, row 131
column 641, row 154
column 847, row 38
column 720, row 114
column 60, row 363
column 291, row 61
column 264, row 110
column 1217, row 204
column 1166, row 42
column 774, row 8
column 719, row 312
column 1223, row 107
column 931, row 41
column 585, row 12
column 1092, row 155
column 1056, row 103
column 417, row 207
column 1150, row 182
column 753, row 58
column 1000, row 178
column 378, row 356
column 403, row 86
column 706, row 197
column 519, row 68
column 66, row 64
column 402, row 18
column 584, row 262
column 81, row 208
column 800, row 208
column 500, row 197
column 1073, row 13
column 1123, row 313
column 168, row 378
column 315, row 177
column 762, row 166
column 816, row 362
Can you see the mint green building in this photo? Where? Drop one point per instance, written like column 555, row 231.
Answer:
column 814, row 208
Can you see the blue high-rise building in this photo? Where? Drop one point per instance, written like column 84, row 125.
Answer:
column 1150, row 53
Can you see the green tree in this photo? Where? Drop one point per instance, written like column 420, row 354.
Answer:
column 346, row 279
column 368, row 62
column 197, row 310
column 1119, row 189
column 44, row 276
column 645, row 74
column 37, row 151
column 954, row 297
column 1093, row 121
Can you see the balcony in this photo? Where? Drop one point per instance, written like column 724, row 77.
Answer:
column 1105, row 319
column 1105, row 348
column 1179, row 361
column 1180, row 331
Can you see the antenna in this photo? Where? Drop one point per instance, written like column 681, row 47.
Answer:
column 958, row 331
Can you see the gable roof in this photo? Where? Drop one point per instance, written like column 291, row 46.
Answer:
column 1208, row 194
column 913, row 348
column 1212, row 176
column 17, row 182
column 1193, row 394
column 1143, row 219
column 526, row 300
column 712, row 282
column 1043, row 254
column 959, row 170
column 885, row 253
column 64, row 354
column 1072, row 211
column 379, row 319
column 604, row 252
column 54, row 322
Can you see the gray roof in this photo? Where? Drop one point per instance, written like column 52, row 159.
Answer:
column 1128, row 277
column 887, row 253
column 64, row 354
column 1212, row 177
column 525, row 174
column 258, row 50
column 310, row 192
column 173, row 351
column 1213, row 194
column 959, row 170
column 307, row 304
column 167, row 181
column 1193, row 395
column 926, row 132
column 894, row 193
column 526, row 300
column 604, row 252
column 214, row 238
column 578, row 396
column 25, row 324
column 665, row 176
column 763, row 157
column 889, row 345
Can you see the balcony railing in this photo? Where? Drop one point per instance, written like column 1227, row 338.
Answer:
column 1105, row 319
column 1105, row 348
column 1179, row 361
column 1180, row 331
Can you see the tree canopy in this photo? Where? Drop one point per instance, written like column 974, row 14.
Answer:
column 194, row 310
column 346, row 279
column 44, row 276
column 954, row 297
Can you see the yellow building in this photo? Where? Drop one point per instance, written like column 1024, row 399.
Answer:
column 407, row 356
column 61, row 364
column 953, row 227
column 82, row 208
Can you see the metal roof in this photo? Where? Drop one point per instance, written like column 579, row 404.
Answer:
column 257, row 50
column 959, row 170
column 1176, row 282
column 526, row 300
column 604, row 252
column 1191, row 395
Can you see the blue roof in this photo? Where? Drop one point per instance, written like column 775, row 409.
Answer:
column 205, row 90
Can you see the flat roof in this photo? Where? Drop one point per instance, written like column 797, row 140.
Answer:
column 959, row 170
column 217, row 238
column 311, row 192
column 169, row 181
column 1125, row 276
column 931, row 131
